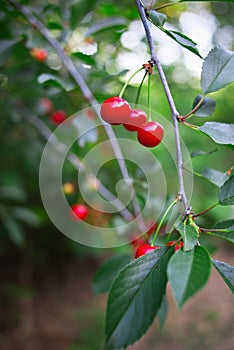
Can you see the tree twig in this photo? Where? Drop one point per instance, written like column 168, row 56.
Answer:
column 155, row 60
column 72, row 158
column 75, row 74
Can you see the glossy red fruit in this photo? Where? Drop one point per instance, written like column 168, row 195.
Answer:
column 171, row 243
column 178, row 246
column 58, row 116
column 135, row 119
column 144, row 249
column 79, row 211
column 39, row 54
column 150, row 134
column 115, row 110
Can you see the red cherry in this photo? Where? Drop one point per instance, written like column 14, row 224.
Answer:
column 45, row 105
column 135, row 119
column 150, row 134
column 115, row 110
column 178, row 246
column 58, row 116
column 79, row 211
column 39, row 54
column 144, row 249
column 171, row 243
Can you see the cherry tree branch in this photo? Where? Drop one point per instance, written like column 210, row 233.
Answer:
column 75, row 74
column 72, row 158
column 155, row 60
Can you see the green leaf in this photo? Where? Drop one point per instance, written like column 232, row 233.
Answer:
column 183, row 40
column 108, row 271
column 14, row 230
column 84, row 58
column 206, row 108
column 188, row 272
column 13, row 192
column 157, row 18
column 135, row 298
column 221, row 133
column 228, row 224
column 105, row 24
column 163, row 311
column 189, row 233
column 206, row 0
column 214, row 176
column 26, row 215
column 198, row 153
column 53, row 80
column 226, row 192
column 226, row 271
column 78, row 10
column 6, row 47
column 217, row 70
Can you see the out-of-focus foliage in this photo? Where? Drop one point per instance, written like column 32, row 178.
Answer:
column 105, row 40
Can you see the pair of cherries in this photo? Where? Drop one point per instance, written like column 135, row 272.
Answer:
column 116, row 111
column 146, row 248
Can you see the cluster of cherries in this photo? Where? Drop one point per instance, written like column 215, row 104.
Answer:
column 116, row 111
column 143, row 247
column 56, row 116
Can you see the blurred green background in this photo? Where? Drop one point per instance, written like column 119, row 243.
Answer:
column 46, row 299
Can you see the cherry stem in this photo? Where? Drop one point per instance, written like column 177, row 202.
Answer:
column 128, row 81
column 154, row 59
column 206, row 210
column 78, row 78
column 162, row 220
column 139, row 89
column 149, row 98
column 198, row 105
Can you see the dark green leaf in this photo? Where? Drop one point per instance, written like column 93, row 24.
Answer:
column 206, row 0
column 189, row 233
column 78, row 10
column 163, row 311
column 183, row 40
column 217, row 70
column 216, row 177
column 228, row 224
column 135, row 298
column 157, row 18
column 188, row 272
column 84, row 58
column 105, row 24
column 226, row 271
column 226, row 192
column 13, row 192
column 108, row 271
column 198, row 153
column 6, row 47
column 53, row 80
column 14, row 230
column 26, row 215
column 206, row 108
column 221, row 133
